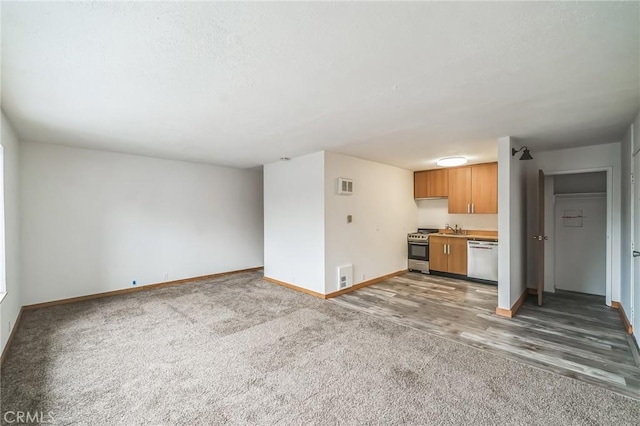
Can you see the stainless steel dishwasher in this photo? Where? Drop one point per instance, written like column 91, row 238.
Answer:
column 482, row 260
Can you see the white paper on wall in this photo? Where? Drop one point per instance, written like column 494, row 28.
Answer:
column 572, row 218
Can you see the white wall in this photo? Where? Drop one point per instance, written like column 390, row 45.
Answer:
column 590, row 158
column 580, row 183
column 294, row 221
column 383, row 212
column 512, row 215
column 95, row 221
column 581, row 250
column 10, row 306
column 434, row 213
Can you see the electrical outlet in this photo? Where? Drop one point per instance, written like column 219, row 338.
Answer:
column 133, row 282
column 166, row 276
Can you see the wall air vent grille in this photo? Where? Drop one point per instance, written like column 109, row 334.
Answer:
column 345, row 276
column 345, row 186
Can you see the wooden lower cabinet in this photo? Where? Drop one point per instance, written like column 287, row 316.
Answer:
column 438, row 259
column 457, row 256
column 448, row 254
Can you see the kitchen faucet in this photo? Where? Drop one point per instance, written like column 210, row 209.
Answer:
column 456, row 231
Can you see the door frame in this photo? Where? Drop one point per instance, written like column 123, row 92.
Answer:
column 549, row 228
column 634, row 316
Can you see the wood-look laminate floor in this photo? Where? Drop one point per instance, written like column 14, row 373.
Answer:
column 573, row 334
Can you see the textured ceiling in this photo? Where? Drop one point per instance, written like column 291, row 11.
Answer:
column 243, row 84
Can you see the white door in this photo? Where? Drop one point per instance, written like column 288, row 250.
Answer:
column 581, row 243
column 635, row 291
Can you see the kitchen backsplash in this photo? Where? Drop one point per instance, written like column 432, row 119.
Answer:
column 435, row 213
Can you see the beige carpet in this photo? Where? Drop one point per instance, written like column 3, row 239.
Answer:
column 238, row 350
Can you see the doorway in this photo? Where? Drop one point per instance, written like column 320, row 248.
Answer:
column 578, row 224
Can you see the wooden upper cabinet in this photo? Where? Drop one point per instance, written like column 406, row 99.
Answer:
column 474, row 189
column 439, row 183
column 421, row 184
column 431, row 183
column 470, row 189
column 460, row 190
column 484, row 188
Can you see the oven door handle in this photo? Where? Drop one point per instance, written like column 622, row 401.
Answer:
column 418, row 244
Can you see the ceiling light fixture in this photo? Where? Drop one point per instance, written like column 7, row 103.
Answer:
column 526, row 155
column 285, row 158
column 451, row 161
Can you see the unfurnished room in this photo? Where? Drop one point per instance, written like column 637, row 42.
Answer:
column 319, row 213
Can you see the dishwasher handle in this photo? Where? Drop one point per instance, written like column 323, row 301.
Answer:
column 481, row 244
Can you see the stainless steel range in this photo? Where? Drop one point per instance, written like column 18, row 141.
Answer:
column 418, row 249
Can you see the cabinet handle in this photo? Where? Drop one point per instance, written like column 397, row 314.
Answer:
column 448, row 248
column 444, row 249
column 468, row 208
column 473, row 208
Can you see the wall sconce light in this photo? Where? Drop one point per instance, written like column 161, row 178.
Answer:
column 526, row 155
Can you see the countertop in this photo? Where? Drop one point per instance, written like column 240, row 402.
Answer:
column 470, row 236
